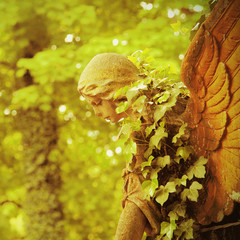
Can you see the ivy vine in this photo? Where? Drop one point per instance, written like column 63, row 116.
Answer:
column 173, row 175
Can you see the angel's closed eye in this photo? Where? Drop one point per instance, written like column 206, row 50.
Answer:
column 118, row 100
column 96, row 103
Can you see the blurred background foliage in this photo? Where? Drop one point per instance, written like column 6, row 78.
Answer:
column 60, row 166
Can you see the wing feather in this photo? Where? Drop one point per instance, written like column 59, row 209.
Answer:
column 211, row 72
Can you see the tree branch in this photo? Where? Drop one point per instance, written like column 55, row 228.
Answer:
column 220, row 226
column 9, row 201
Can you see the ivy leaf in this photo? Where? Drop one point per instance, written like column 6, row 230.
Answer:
column 184, row 152
column 155, row 81
column 131, row 93
column 162, row 195
column 196, row 185
column 173, row 98
column 156, row 96
column 131, row 147
column 168, row 228
column 177, row 159
column 198, row 169
column 154, row 173
column 149, row 129
column 173, row 215
column 135, row 125
column 156, row 138
column 181, row 181
column 144, row 164
column 118, row 93
column 139, row 103
column 171, row 187
column 145, row 173
column 192, row 192
column 129, row 126
column 126, row 129
column 161, row 109
column 121, row 92
column 185, row 229
column 163, row 161
column 162, row 123
column 148, row 152
column 123, row 106
column 180, row 133
column 180, row 210
column 134, row 91
column 147, row 163
column 163, row 192
column 164, row 97
column 159, row 112
column 149, row 187
column 184, row 194
column 189, row 233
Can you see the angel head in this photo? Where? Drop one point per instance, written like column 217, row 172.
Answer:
column 102, row 77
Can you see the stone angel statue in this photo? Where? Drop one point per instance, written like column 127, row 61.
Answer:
column 211, row 72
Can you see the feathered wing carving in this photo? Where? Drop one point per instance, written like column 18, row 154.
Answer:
column 211, row 71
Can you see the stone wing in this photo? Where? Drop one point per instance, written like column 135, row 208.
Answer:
column 211, row 72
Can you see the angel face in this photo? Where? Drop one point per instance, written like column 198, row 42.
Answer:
column 106, row 108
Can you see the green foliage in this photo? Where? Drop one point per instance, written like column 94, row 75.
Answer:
column 177, row 137
column 171, row 169
column 184, row 152
column 149, row 187
column 197, row 169
column 178, row 28
column 192, row 192
column 163, row 193
column 167, row 229
column 45, row 45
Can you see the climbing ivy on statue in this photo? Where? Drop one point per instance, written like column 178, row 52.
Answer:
column 171, row 171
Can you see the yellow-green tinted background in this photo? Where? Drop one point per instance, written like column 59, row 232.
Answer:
column 60, row 166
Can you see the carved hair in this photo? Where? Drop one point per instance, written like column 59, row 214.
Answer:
column 105, row 74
